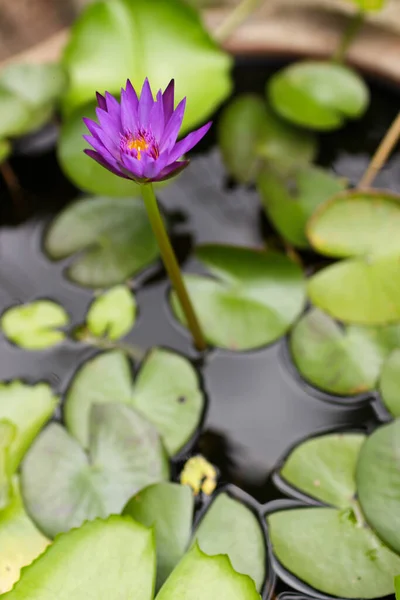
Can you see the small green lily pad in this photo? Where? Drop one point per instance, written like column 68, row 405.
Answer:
column 201, row 576
column 251, row 300
column 112, row 314
column 168, row 508
column 28, row 408
column 35, row 326
column 166, row 392
column 318, row 95
column 290, row 202
column 389, row 384
column 378, row 482
column 63, row 486
column 20, row 541
column 344, row 360
column 106, row 559
column 229, row 527
column 112, row 236
column 249, row 134
column 324, row 467
column 327, row 549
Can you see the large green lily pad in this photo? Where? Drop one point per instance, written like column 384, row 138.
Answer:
column 7, row 435
column 169, row 42
column 166, row 391
column 63, row 486
column 329, row 550
column 168, row 508
column 364, row 227
column 230, row 527
column 20, row 541
column 112, row 236
column 35, row 326
column 344, row 360
column 324, row 467
column 378, row 482
column 112, row 314
column 250, row 134
column 290, row 202
column 318, row 95
column 106, row 559
column 28, row 408
column 389, row 383
column 251, row 300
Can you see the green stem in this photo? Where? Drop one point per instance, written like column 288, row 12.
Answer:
column 235, row 18
column 358, row 513
column 350, row 33
column 171, row 265
column 382, row 154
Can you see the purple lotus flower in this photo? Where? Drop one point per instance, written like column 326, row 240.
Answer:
column 137, row 138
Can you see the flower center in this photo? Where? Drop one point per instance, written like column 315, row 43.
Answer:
column 138, row 142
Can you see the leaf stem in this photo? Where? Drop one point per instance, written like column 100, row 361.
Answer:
column 13, row 186
column 356, row 508
column 171, row 265
column 349, row 34
column 235, row 18
column 382, row 154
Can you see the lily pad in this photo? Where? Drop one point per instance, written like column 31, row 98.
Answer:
column 378, row 483
column 249, row 135
column 344, row 360
column 229, row 527
column 166, row 392
column 112, row 236
column 168, row 507
column 28, row 408
column 201, row 576
column 389, row 384
column 169, row 42
column 112, row 314
column 318, row 95
column 106, row 559
column 329, row 550
column 28, row 94
column 35, row 326
column 251, row 300
column 324, row 467
column 63, row 486
column 290, row 202
column 20, row 541
column 7, row 435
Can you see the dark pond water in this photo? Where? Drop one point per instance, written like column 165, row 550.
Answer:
column 258, row 406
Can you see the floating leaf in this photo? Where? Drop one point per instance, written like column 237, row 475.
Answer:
column 318, row 95
column 7, row 436
column 112, row 314
column 378, row 482
column 330, row 551
column 324, row 467
column 249, row 134
column 229, row 527
column 166, row 392
column 35, row 326
column 28, row 94
column 104, row 559
column 170, row 42
column 252, row 299
column 201, row 576
column 63, row 486
column 20, row 541
column 5, row 150
column 389, row 384
column 337, row 359
column 28, row 407
column 289, row 203
column 168, row 508
column 114, row 235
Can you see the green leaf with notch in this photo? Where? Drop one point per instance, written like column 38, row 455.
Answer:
column 112, row 314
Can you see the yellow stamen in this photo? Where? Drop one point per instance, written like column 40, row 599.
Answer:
column 138, row 144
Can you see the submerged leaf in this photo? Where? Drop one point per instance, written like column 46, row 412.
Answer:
column 63, row 486
column 112, row 236
column 112, row 314
column 166, row 392
column 35, row 326
column 318, row 95
column 252, row 299
column 324, row 467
